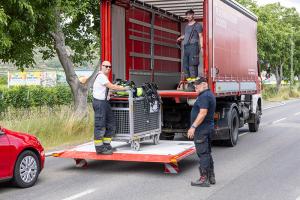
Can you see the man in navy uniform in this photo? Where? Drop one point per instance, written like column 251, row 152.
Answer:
column 202, row 128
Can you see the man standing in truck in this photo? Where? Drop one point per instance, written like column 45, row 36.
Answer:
column 105, row 124
column 202, row 128
column 193, row 44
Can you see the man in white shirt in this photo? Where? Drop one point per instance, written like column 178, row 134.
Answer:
column 105, row 124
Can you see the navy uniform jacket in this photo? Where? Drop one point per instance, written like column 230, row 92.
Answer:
column 205, row 100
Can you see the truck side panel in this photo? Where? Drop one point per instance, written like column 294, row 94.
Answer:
column 234, row 62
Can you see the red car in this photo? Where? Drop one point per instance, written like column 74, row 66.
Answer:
column 22, row 157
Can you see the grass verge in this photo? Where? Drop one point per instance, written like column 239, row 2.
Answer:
column 54, row 127
column 270, row 93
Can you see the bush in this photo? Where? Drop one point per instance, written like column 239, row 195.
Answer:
column 34, row 96
column 269, row 91
column 3, row 80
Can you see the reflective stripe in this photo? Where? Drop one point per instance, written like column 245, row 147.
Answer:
column 98, row 142
column 106, row 140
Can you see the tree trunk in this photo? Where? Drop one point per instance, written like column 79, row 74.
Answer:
column 80, row 101
column 298, row 78
column 79, row 90
column 278, row 77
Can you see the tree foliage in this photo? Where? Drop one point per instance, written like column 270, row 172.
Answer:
column 278, row 28
column 68, row 29
column 27, row 24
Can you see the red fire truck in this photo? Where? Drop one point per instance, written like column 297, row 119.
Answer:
column 139, row 37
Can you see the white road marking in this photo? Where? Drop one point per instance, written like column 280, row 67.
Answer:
column 274, row 106
column 279, row 120
column 76, row 196
column 240, row 135
column 297, row 113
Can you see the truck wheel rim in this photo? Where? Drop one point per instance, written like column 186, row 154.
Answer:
column 28, row 169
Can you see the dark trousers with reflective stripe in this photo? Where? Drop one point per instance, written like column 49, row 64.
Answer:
column 105, row 123
column 191, row 60
column 202, row 141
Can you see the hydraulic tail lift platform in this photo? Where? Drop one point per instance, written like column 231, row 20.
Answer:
column 168, row 153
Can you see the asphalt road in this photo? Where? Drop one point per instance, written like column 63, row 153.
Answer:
column 264, row 165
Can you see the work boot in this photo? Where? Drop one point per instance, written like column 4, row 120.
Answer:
column 190, row 88
column 108, row 146
column 203, row 180
column 211, row 176
column 107, row 149
column 99, row 149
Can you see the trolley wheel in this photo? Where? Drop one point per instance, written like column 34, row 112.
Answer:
column 156, row 139
column 135, row 145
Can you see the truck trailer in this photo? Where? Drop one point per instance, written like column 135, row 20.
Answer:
column 139, row 38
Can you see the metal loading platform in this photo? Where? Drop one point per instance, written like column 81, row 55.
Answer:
column 169, row 153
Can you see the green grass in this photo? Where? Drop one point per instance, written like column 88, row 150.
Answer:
column 270, row 92
column 54, row 127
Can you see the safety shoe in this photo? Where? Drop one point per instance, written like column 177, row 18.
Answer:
column 211, row 177
column 202, row 181
column 99, row 149
column 190, row 88
column 108, row 146
column 107, row 150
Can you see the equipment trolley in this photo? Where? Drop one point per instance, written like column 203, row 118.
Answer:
column 138, row 119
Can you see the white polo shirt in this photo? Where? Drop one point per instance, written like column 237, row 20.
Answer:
column 99, row 88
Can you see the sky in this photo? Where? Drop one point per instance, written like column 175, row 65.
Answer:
column 286, row 3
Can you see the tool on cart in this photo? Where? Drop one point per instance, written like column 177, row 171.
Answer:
column 138, row 118
column 137, row 92
column 151, row 95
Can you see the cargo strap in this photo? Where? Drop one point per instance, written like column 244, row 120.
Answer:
column 192, row 33
column 106, row 91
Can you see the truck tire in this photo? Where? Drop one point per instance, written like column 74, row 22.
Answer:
column 253, row 127
column 233, row 129
column 27, row 169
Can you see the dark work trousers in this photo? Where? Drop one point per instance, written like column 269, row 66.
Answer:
column 105, row 123
column 202, row 141
column 191, row 60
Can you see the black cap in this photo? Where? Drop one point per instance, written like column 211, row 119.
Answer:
column 191, row 12
column 200, row 80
